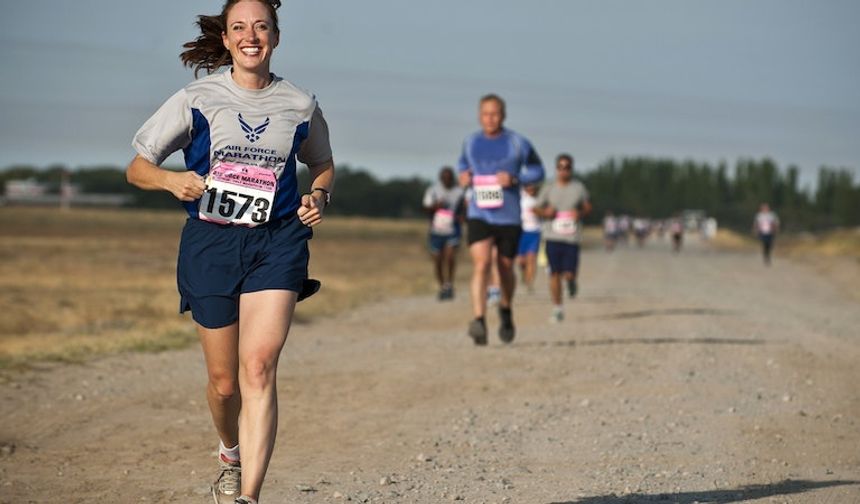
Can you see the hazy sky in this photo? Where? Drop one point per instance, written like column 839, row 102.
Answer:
column 398, row 81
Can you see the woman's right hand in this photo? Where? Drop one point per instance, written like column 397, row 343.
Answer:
column 186, row 186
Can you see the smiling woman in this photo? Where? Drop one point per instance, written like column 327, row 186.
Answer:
column 243, row 255
column 211, row 50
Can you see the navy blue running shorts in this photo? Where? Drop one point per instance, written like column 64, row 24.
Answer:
column 218, row 262
column 562, row 257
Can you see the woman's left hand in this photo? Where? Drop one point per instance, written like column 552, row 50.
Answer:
column 311, row 210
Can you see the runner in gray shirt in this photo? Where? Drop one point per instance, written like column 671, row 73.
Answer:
column 562, row 204
column 443, row 202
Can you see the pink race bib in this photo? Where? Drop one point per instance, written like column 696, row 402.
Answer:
column 564, row 223
column 443, row 222
column 488, row 191
column 238, row 194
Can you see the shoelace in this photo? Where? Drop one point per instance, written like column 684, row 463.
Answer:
column 230, row 479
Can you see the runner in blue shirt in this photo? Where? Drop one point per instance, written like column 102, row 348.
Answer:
column 495, row 163
column 243, row 255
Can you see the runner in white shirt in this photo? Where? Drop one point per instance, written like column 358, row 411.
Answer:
column 610, row 231
column 530, row 237
column 443, row 203
column 641, row 229
column 766, row 225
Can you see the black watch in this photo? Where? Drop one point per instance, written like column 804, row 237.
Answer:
column 327, row 194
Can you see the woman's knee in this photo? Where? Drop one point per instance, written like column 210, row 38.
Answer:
column 258, row 372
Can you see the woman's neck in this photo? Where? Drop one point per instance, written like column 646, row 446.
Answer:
column 251, row 80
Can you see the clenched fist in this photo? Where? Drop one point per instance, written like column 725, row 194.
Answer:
column 311, row 210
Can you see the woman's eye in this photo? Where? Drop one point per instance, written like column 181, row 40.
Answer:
column 262, row 27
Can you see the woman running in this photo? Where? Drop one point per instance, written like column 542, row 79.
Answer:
column 243, row 255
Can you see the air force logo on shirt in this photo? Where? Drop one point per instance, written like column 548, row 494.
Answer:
column 253, row 133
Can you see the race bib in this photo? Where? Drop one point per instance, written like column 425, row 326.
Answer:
column 238, row 194
column 488, row 191
column 443, row 222
column 564, row 223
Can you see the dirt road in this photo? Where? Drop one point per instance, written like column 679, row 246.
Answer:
column 702, row 377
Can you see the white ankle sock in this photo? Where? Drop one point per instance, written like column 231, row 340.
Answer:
column 229, row 455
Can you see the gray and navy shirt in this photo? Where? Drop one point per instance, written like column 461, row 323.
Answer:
column 214, row 119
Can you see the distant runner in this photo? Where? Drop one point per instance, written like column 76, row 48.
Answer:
column 610, row 231
column 530, row 239
column 766, row 225
column 443, row 201
column 563, row 204
column 495, row 162
column 676, row 230
column 641, row 229
column 624, row 228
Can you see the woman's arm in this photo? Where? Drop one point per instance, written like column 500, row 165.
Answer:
column 313, row 203
column 186, row 186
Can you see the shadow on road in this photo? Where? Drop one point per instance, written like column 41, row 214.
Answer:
column 657, row 312
column 745, row 493
column 644, row 341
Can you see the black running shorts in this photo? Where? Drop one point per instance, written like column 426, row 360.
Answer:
column 507, row 238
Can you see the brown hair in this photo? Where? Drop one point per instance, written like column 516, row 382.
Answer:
column 496, row 98
column 207, row 52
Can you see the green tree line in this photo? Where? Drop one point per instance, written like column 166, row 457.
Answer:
column 659, row 188
column 643, row 186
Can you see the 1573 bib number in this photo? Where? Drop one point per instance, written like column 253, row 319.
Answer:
column 238, row 194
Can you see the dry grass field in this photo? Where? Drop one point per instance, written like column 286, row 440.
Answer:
column 81, row 283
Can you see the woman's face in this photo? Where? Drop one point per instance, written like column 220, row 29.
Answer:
column 250, row 36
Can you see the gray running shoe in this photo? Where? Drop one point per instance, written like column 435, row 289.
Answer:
column 226, row 487
column 478, row 332
column 506, row 330
column 244, row 500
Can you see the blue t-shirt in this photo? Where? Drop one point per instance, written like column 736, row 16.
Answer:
column 509, row 152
